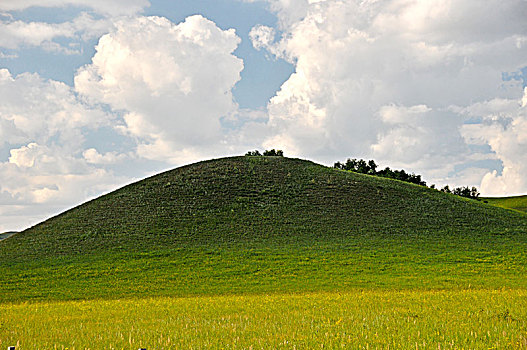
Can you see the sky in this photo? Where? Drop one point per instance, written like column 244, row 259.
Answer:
column 96, row 94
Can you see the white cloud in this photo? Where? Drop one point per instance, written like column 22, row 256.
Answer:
column 43, row 128
column 55, row 182
column 366, row 69
column 25, row 156
column 504, row 129
column 92, row 156
column 262, row 37
column 108, row 7
column 17, row 34
column 36, row 110
column 420, row 138
column 174, row 83
column 51, row 176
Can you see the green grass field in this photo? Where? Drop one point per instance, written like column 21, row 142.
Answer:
column 358, row 319
column 268, row 252
column 517, row 203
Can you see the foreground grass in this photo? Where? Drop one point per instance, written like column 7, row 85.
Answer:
column 475, row 319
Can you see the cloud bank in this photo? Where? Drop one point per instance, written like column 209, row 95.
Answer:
column 389, row 79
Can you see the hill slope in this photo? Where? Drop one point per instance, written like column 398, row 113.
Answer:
column 263, row 224
column 517, row 203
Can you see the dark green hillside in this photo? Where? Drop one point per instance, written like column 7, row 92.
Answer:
column 264, row 224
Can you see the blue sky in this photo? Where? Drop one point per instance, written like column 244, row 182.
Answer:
column 96, row 94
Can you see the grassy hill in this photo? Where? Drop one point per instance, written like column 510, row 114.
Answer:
column 517, row 203
column 248, row 225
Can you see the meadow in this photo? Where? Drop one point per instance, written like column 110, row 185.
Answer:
column 268, row 252
column 358, row 319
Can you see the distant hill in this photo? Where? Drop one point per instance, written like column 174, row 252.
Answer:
column 516, row 203
column 263, row 224
column 6, row 235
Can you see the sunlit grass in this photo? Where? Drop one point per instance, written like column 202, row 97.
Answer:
column 469, row 319
column 517, row 203
column 410, row 262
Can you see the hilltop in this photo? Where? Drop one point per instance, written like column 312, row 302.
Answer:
column 263, row 224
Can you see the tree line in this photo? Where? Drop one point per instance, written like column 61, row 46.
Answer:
column 370, row 168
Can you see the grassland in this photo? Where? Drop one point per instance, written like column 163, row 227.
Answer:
column 516, row 203
column 272, row 241
column 358, row 319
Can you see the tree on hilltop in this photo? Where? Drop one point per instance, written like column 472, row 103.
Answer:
column 266, row 153
column 273, row 153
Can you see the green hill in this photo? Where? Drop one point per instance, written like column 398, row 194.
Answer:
column 264, row 224
column 516, row 203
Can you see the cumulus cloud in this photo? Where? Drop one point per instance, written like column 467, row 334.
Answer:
column 43, row 129
column 92, row 156
column 503, row 127
column 107, row 7
column 36, row 110
column 25, row 156
column 381, row 78
column 173, row 83
column 263, row 37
